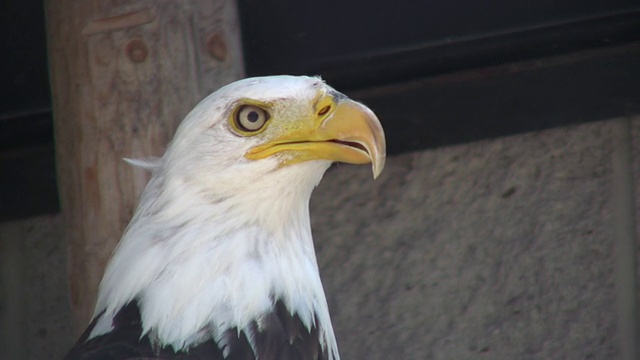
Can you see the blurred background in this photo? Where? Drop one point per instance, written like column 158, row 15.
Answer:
column 505, row 223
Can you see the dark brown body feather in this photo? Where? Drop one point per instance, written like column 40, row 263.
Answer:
column 282, row 337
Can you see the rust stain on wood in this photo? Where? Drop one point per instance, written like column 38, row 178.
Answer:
column 117, row 22
column 93, row 194
column 137, row 51
column 217, row 47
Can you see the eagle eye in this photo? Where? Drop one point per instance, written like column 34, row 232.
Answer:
column 251, row 118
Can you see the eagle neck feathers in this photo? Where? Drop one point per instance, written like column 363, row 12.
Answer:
column 205, row 262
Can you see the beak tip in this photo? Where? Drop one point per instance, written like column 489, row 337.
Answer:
column 377, row 165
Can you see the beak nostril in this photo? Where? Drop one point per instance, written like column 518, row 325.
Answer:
column 324, row 110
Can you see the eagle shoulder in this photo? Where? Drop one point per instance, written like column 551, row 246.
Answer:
column 278, row 335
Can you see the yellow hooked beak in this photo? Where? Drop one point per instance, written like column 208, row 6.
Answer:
column 349, row 132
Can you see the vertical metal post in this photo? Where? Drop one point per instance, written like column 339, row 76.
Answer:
column 11, row 297
column 624, row 217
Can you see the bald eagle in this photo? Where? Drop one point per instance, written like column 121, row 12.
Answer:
column 218, row 260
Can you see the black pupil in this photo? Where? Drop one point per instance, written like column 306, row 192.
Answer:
column 253, row 116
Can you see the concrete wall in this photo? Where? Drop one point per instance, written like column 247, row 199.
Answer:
column 35, row 317
column 499, row 249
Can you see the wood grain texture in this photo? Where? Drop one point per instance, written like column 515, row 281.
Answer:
column 119, row 91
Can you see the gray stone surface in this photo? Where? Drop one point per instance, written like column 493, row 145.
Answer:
column 34, row 311
column 499, row 249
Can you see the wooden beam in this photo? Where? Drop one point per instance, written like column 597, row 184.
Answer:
column 123, row 75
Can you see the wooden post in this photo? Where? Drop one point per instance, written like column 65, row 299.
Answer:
column 123, row 75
